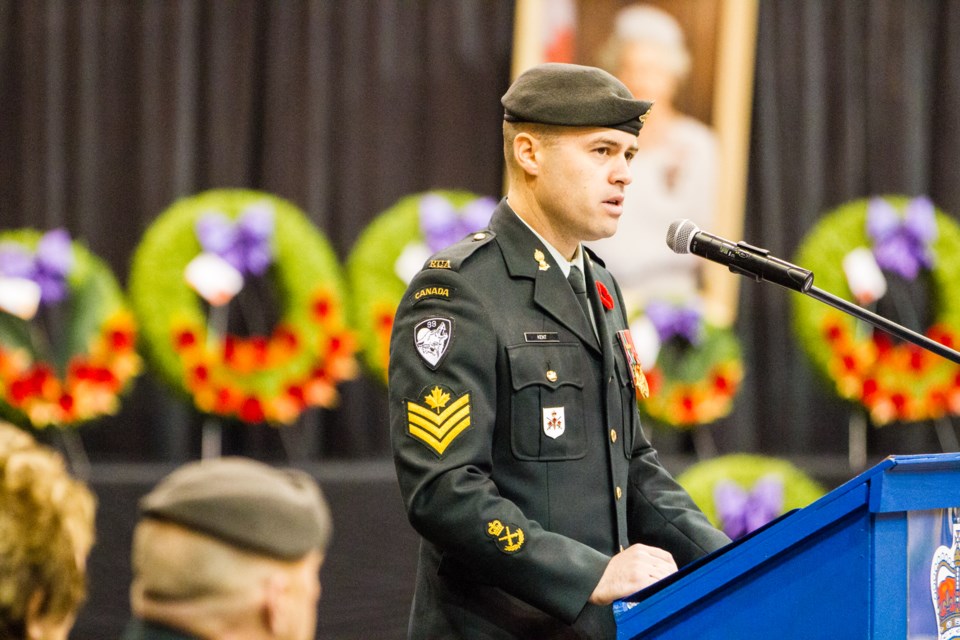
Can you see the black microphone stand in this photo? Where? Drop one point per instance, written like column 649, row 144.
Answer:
column 883, row 323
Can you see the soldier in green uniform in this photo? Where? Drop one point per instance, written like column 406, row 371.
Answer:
column 513, row 391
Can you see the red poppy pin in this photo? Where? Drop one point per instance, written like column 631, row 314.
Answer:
column 605, row 298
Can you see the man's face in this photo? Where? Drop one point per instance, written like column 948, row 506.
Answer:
column 583, row 173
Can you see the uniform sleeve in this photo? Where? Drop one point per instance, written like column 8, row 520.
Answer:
column 662, row 514
column 442, row 385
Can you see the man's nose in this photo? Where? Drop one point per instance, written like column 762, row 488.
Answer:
column 621, row 172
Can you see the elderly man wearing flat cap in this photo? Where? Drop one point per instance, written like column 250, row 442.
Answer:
column 229, row 548
column 517, row 443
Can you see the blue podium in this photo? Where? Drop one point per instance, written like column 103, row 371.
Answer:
column 877, row 557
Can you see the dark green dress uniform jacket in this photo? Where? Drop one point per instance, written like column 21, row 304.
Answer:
column 518, row 446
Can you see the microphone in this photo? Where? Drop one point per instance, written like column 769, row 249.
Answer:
column 684, row 236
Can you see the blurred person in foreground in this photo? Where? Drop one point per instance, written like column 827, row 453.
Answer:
column 229, row 548
column 514, row 387
column 46, row 532
column 675, row 170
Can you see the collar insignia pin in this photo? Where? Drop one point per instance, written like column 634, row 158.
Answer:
column 541, row 260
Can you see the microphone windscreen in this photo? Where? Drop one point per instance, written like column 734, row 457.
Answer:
column 679, row 235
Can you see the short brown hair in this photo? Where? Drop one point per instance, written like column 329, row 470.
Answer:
column 544, row 132
column 46, row 530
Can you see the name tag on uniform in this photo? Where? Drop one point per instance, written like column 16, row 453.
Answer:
column 541, row 336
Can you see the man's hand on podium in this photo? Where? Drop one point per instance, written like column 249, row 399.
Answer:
column 631, row 570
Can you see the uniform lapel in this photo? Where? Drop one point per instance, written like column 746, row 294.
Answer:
column 552, row 292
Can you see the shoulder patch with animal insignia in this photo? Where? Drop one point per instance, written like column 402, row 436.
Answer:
column 439, row 419
column 432, row 337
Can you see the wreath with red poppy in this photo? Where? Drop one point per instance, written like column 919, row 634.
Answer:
column 697, row 372
column 82, row 372
column 271, row 377
column 893, row 381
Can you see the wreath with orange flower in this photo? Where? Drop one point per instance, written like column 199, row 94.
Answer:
column 893, row 381
column 393, row 248
column 66, row 375
column 267, row 376
column 698, row 367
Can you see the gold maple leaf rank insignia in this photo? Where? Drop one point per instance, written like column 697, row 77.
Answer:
column 437, row 399
column 438, row 422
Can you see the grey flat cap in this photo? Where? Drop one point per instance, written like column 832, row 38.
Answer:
column 573, row 95
column 279, row 513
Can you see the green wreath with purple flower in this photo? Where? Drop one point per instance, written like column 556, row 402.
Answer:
column 742, row 492
column 854, row 252
column 693, row 368
column 393, row 248
column 189, row 274
column 67, row 338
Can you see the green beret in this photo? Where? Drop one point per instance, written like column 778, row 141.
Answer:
column 279, row 513
column 573, row 95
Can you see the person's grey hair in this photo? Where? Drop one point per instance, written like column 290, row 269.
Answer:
column 642, row 23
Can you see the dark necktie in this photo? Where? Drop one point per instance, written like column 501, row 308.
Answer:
column 580, row 288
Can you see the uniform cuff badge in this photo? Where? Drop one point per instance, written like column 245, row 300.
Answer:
column 509, row 538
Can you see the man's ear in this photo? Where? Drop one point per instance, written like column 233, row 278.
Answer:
column 275, row 603
column 526, row 149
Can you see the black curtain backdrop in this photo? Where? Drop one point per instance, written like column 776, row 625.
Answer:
column 110, row 110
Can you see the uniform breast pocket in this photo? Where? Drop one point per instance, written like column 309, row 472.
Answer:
column 546, row 406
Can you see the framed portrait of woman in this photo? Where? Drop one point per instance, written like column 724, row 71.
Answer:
column 695, row 60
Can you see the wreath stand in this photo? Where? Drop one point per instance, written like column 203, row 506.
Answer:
column 69, row 441
column 703, row 443
column 75, row 453
column 211, row 437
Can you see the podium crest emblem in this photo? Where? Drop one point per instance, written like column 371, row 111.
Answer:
column 945, row 581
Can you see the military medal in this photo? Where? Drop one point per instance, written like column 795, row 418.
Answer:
column 633, row 363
